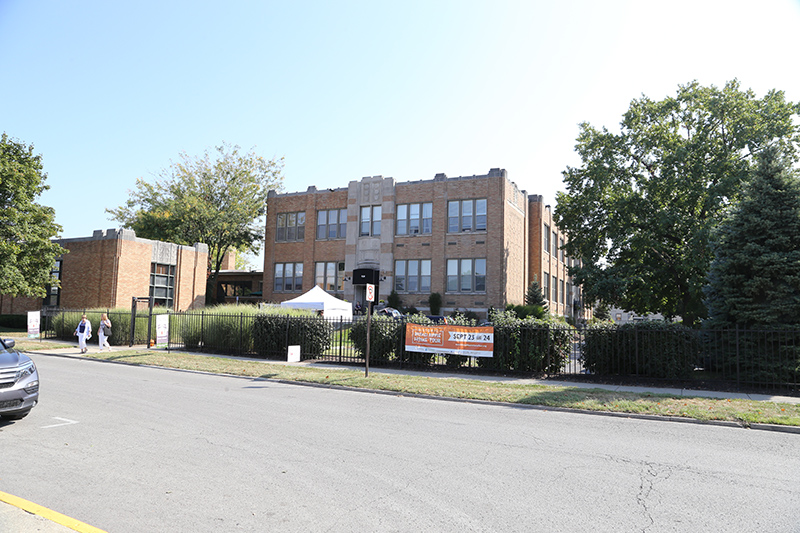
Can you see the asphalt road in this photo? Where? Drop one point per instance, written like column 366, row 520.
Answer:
column 130, row 449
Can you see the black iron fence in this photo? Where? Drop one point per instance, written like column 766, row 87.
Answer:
column 757, row 360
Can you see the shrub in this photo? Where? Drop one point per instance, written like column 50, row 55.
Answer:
column 63, row 324
column 435, row 303
column 273, row 334
column 649, row 348
column 394, row 300
column 385, row 337
column 529, row 345
column 14, row 321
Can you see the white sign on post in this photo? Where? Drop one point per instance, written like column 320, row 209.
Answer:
column 370, row 292
column 34, row 320
column 293, row 354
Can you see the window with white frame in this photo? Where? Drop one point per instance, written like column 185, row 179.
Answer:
column 291, row 227
column 412, row 275
column 370, row 221
column 413, row 219
column 332, row 224
column 466, row 215
column 555, row 289
column 330, row 275
column 288, row 277
column 466, row 275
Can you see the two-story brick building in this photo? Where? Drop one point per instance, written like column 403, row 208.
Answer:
column 109, row 268
column 477, row 240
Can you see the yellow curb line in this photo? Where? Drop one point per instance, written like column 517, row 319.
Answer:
column 44, row 512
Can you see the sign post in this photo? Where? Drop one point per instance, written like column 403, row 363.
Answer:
column 370, row 299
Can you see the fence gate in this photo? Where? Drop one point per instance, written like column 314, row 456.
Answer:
column 135, row 305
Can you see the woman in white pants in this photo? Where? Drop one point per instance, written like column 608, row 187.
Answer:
column 102, row 339
column 84, row 333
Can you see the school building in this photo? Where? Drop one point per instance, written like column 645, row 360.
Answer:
column 112, row 266
column 479, row 241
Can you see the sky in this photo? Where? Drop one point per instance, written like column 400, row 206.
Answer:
column 109, row 92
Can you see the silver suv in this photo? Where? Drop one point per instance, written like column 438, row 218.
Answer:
column 19, row 382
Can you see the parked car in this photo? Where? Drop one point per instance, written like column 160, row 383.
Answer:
column 438, row 319
column 19, row 382
column 390, row 311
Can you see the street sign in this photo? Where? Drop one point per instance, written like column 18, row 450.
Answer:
column 370, row 292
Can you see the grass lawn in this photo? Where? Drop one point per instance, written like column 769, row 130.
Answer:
column 744, row 412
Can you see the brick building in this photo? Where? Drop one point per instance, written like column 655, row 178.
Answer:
column 109, row 268
column 477, row 240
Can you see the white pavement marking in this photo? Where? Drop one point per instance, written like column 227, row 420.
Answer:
column 65, row 422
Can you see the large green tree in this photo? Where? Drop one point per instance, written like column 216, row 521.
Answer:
column 640, row 207
column 27, row 253
column 219, row 201
column 754, row 280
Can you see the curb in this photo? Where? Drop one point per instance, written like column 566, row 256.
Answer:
column 44, row 512
column 636, row 416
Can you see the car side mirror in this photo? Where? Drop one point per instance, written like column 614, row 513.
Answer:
column 9, row 343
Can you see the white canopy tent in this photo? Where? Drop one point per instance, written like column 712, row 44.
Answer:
column 316, row 298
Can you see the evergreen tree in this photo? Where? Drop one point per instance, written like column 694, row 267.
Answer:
column 534, row 296
column 754, row 279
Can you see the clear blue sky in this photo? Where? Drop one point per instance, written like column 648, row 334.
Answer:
column 108, row 92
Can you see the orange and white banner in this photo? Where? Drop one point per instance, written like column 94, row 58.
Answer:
column 458, row 340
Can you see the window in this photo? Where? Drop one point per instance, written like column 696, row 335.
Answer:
column 288, row 277
column 563, row 294
column 547, row 238
column 555, row 289
column 162, row 284
column 291, row 227
column 466, row 275
column 330, row 275
column 555, row 245
column 466, row 215
column 370, row 221
column 413, row 275
column 546, row 283
column 332, row 224
column 53, row 297
column 561, row 247
column 414, row 218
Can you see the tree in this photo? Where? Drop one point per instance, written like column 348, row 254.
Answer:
column 754, row 280
column 640, row 207
column 534, row 296
column 27, row 253
column 217, row 202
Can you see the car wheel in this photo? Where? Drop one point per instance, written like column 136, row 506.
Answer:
column 16, row 416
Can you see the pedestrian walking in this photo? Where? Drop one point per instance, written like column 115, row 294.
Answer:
column 104, row 332
column 84, row 333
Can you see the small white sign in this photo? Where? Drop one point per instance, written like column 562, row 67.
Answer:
column 162, row 331
column 34, row 320
column 294, row 354
column 370, row 292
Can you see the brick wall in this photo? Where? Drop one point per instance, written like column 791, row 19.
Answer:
column 109, row 268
